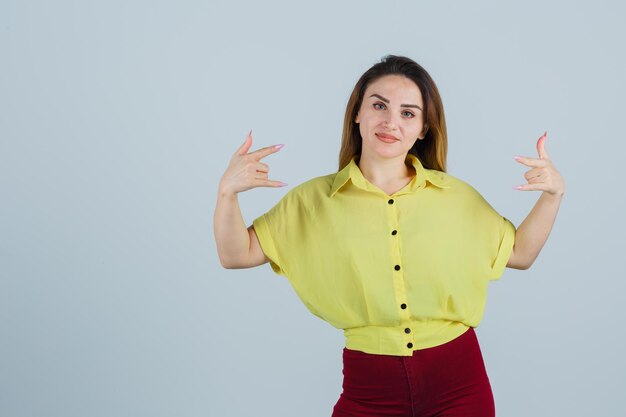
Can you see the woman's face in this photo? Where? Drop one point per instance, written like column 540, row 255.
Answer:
column 390, row 117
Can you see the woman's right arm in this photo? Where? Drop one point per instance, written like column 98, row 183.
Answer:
column 238, row 246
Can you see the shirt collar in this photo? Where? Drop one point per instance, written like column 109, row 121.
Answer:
column 353, row 173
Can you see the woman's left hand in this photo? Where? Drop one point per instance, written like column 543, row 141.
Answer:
column 543, row 176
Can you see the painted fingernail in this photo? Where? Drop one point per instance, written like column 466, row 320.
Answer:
column 282, row 184
column 517, row 187
column 517, row 157
column 279, row 146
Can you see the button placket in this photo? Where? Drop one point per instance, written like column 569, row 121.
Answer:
column 399, row 274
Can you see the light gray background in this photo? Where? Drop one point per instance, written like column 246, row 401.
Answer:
column 118, row 118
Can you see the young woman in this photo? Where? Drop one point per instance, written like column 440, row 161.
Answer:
column 391, row 249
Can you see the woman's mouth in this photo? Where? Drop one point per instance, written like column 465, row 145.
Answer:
column 386, row 138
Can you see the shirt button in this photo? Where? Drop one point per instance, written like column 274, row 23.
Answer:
column 402, row 306
column 397, row 267
column 407, row 330
column 395, row 232
column 390, row 201
column 409, row 345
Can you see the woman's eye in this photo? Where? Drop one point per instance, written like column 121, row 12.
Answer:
column 410, row 114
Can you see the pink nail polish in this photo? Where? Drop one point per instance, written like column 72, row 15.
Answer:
column 517, row 187
column 279, row 146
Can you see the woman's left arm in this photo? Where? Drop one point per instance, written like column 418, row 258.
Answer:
column 533, row 232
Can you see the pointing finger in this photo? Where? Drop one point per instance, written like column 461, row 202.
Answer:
column 263, row 152
column 531, row 162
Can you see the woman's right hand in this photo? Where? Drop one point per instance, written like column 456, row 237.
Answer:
column 245, row 170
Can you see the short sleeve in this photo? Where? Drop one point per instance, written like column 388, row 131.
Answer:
column 277, row 231
column 506, row 238
column 262, row 230
column 493, row 236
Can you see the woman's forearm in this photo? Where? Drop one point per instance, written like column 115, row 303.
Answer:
column 231, row 233
column 532, row 233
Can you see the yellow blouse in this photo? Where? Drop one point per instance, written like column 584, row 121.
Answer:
column 396, row 273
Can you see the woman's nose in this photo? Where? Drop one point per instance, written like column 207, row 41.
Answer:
column 389, row 123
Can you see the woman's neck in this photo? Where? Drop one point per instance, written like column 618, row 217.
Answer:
column 385, row 171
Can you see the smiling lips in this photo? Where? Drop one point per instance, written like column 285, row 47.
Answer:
column 386, row 138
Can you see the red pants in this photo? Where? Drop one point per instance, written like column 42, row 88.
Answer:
column 448, row 380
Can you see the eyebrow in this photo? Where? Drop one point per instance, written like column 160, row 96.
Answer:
column 401, row 105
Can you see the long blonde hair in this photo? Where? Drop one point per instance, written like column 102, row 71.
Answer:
column 432, row 151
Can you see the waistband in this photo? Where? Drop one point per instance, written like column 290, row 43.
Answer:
column 398, row 341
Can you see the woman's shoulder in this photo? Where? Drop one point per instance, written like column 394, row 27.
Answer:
column 306, row 196
column 456, row 185
column 446, row 179
column 315, row 185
